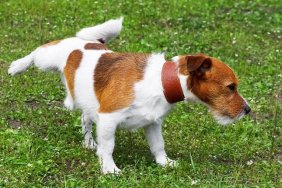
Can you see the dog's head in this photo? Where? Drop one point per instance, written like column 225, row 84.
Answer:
column 214, row 84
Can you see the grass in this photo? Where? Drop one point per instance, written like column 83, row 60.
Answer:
column 41, row 141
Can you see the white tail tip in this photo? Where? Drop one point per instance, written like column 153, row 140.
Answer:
column 105, row 31
column 20, row 65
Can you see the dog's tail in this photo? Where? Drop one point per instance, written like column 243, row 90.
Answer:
column 102, row 32
column 21, row 65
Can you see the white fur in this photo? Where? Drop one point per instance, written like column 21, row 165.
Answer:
column 21, row 65
column 225, row 120
column 105, row 31
column 155, row 139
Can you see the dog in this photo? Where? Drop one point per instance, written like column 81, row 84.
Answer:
column 132, row 90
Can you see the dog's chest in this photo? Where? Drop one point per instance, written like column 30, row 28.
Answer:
column 140, row 116
column 150, row 105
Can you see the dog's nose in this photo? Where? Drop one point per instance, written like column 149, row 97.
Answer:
column 247, row 109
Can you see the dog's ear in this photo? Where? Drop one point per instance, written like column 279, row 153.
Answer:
column 198, row 63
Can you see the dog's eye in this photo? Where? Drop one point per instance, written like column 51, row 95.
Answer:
column 232, row 87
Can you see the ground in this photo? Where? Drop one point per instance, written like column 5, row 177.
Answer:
column 41, row 141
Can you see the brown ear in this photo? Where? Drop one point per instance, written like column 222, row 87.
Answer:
column 198, row 63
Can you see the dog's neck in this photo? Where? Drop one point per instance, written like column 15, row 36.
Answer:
column 177, row 77
column 172, row 89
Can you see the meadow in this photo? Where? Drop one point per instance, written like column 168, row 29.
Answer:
column 41, row 141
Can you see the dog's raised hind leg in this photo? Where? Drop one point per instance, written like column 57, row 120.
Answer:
column 89, row 142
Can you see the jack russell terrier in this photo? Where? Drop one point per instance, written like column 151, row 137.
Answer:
column 132, row 90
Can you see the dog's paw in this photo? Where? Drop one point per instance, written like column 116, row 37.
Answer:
column 111, row 169
column 171, row 163
column 68, row 103
column 89, row 143
column 166, row 162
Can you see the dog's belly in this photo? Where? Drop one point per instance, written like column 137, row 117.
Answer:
column 135, row 122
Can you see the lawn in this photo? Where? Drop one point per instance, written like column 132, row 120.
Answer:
column 41, row 141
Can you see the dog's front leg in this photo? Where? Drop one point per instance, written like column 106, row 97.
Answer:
column 106, row 142
column 156, row 142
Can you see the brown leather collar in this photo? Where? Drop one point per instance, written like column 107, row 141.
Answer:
column 171, row 83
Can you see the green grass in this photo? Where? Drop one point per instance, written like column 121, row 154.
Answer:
column 41, row 141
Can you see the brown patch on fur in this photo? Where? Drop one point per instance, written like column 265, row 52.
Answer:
column 95, row 46
column 182, row 65
column 209, row 84
column 194, row 64
column 72, row 65
column 51, row 43
column 114, row 79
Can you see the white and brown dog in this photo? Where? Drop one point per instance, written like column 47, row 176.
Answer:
column 132, row 90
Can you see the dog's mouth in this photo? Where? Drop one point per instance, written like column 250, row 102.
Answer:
column 225, row 119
